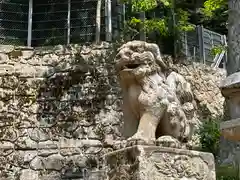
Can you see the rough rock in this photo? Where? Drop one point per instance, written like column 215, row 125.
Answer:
column 54, row 162
column 205, row 82
column 28, row 174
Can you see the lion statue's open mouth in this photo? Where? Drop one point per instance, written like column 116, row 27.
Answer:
column 133, row 56
column 129, row 67
column 154, row 105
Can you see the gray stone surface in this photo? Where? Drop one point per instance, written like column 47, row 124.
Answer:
column 156, row 163
column 232, row 81
column 230, row 88
column 233, row 63
column 229, row 143
column 28, row 174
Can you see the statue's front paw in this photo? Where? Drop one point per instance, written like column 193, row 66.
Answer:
column 139, row 140
column 168, row 141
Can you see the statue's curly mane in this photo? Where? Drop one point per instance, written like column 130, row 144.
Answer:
column 139, row 52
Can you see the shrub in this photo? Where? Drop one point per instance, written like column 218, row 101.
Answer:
column 227, row 173
column 209, row 133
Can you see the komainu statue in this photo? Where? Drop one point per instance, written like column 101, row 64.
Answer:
column 157, row 105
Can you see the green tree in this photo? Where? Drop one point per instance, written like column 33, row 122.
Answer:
column 215, row 15
column 211, row 6
column 176, row 16
column 162, row 24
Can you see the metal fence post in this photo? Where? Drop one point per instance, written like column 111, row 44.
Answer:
column 201, row 42
column 108, row 16
column 69, row 22
column 124, row 13
column 186, row 44
column 142, row 31
column 194, row 54
column 226, row 52
column 98, row 21
column 30, row 12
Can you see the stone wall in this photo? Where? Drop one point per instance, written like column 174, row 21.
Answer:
column 205, row 83
column 57, row 106
column 60, row 108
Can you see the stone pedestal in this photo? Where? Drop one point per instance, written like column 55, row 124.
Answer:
column 231, row 129
column 230, row 88
column 157, row 163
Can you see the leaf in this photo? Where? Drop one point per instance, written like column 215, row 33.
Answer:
column 166, row 2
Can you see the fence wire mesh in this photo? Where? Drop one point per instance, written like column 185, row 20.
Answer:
column 50, row 21
column 13, row 22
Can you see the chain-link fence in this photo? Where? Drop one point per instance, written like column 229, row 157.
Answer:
column 13, row 22
column 51, row 22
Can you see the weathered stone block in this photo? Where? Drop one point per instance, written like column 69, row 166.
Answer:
column 25, row 143
column 75, row 143
column 50, row 176
column 54, row 162
column 48, row 145
column 230, row 88
column 28, row 174
column 6, row 48
column 152, row 162
column 70, row 151
column 3, row 58
column 231, row 129
column 37, row 163
column 38, row 135
column 6, row 69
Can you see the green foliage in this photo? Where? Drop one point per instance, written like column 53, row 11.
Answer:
column 210, row 6
column 151, row 25
column 227, row 173
column 165, row 25
column 214, row 15
column 183, row 22
column 218, row 49
column 167, row 19
column 209, row 134
column 143, row 5
column 156, row 24
column 148, row 25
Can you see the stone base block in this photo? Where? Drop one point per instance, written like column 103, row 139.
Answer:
column 231, row 129
column 157, row 163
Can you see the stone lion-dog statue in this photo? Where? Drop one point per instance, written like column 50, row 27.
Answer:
column 157, row 108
